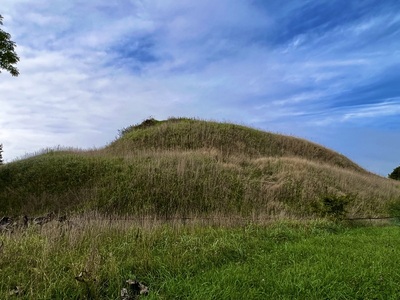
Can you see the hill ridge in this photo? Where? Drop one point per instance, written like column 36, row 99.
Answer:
column 186, row 167
column 231, row 139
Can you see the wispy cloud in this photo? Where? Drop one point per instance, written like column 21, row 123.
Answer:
column 89, row 68
column 382, row 109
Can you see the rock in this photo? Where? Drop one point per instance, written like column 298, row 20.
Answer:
column 16, row 291
column 135, row 289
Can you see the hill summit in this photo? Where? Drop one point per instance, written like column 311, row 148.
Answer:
column 187, row 167
column 182, row 134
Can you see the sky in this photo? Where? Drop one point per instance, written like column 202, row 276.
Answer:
column 326, row 71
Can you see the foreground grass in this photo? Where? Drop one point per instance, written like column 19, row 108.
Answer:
column 316, row 260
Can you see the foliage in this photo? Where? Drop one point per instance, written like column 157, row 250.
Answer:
column 1, row 154
column 394, row 209
column 395, row 174
column 8, row 57
column 335, row 206
column 145, row 124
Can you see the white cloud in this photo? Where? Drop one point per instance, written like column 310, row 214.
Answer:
column 388, row 108
column 212, row 59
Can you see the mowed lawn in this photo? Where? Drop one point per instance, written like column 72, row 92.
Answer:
column 313, row 260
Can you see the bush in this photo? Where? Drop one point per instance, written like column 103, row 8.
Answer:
column 395, row 174
column 145, row 124
column 1, row 154
column 394, row 209
column 334, row 206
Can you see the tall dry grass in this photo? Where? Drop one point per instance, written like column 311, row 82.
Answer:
column 191, row 168
column 91, row 257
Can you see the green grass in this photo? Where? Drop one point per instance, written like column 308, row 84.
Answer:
column 182, row 134
column 312, row 260
column 189, row 167
column 236, row 185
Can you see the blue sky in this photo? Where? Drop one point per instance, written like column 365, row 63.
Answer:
column 326, row 71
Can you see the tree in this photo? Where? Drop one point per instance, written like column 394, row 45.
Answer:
column 395, row 174
column 1, row 154
column 8, row 57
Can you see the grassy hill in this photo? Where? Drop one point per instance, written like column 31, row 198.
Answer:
column 185, row 167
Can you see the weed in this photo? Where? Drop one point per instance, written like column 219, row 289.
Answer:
column 335, row 206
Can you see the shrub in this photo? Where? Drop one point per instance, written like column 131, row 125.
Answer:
column 394, row 209
column 1, row 154
column 335, row 206
column 145, row 124
column 395, row 174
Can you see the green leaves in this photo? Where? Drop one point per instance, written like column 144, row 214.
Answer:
column 335, row 206
column 8, row 57
column 1, row 154
column 395, row 174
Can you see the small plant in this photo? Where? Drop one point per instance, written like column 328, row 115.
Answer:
column 394, row 209
column 145, row 124
column 334, row 206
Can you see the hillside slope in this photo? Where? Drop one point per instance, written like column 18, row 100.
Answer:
column 184, row 167
column 228, row 139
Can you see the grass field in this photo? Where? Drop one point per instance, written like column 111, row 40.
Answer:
column 283, row 260
column 244, row 194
